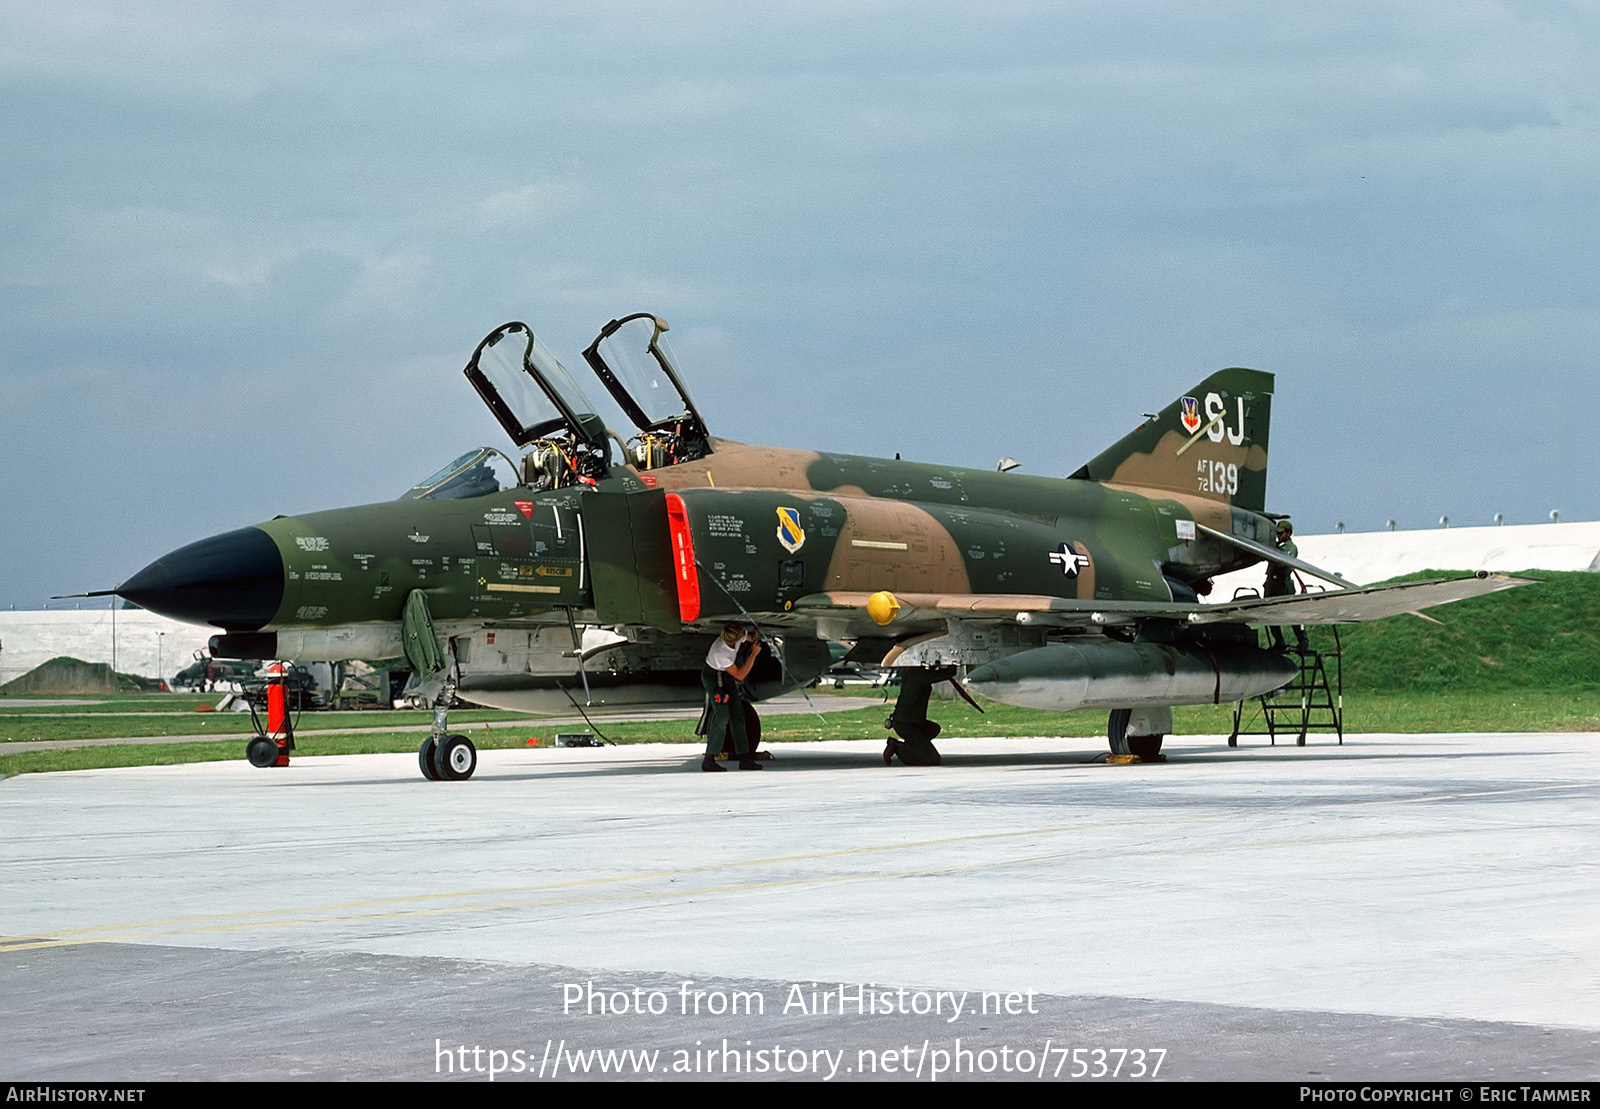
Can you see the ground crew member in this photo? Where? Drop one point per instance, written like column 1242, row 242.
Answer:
column 723, row 678
column 1279, row 585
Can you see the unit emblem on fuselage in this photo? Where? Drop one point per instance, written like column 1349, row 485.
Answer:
column 790, row 534
column 1190, row 414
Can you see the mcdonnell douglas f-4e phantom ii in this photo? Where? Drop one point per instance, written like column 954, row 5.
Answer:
column 584, row 578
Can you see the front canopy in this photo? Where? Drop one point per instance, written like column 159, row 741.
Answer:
column 530, row 392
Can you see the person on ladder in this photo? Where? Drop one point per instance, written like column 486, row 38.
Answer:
column 1279, row 585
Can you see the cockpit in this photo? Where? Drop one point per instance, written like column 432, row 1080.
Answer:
column 546, row 413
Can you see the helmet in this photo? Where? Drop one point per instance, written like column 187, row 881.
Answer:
column 1285, row 528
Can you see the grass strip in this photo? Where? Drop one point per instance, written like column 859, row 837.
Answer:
column 67, row 724
column 1512, row 711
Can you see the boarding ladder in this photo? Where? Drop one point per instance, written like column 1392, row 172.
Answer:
column 1312, row 702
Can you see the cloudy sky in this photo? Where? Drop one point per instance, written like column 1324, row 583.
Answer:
column 245, row 249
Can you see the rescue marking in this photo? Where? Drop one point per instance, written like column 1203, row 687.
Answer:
column 498, row 587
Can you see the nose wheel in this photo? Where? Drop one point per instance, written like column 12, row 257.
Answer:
column 455, row 758
column 450, row 758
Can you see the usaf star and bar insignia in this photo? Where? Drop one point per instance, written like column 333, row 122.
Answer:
column 1069, row 560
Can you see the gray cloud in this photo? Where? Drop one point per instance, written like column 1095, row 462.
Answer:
column 244, row 253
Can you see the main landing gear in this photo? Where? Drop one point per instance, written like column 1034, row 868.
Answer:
column 1131, row 736
column 909, row 720
column 444, row 757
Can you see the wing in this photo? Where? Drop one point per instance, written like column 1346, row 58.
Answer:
column 1354, row 606
column 922, row 612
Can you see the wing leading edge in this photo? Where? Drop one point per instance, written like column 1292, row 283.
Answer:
column 1339, row 606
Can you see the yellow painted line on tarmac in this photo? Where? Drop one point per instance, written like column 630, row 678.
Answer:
column 1480, row 793
column 287, row 918
column 341, row 910
column 279, row 917
column 673, row 872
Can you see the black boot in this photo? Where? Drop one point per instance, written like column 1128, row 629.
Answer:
column 748, row 762
column 710, row 763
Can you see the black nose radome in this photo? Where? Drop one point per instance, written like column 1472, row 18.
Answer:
column 232, row 581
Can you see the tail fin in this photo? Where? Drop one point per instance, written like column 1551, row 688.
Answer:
column 1211, row 442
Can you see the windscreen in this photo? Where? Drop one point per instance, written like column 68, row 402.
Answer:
column 475, row 474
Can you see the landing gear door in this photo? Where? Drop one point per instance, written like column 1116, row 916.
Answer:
column 633, row 361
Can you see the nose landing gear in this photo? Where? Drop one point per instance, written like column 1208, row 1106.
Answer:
column 444, row 757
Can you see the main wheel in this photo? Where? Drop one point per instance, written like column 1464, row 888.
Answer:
column 1147, row 747
column 455, row 758
column 261, row 752
column 1117, row 731
column 425, row 760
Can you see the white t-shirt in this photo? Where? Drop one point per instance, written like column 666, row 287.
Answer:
column 721, row 656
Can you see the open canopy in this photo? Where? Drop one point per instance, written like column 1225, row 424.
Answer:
column 530, row 392
column 634, row 363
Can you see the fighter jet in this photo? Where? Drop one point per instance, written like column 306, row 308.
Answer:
column 564, row 574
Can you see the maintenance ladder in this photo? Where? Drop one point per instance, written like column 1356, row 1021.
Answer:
column 1312, row 702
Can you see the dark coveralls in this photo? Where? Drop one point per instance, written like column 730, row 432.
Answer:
column 724, row 710
column 1278, row 585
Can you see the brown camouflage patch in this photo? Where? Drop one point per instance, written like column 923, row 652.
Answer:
column 895, row 546
column 740, row 466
